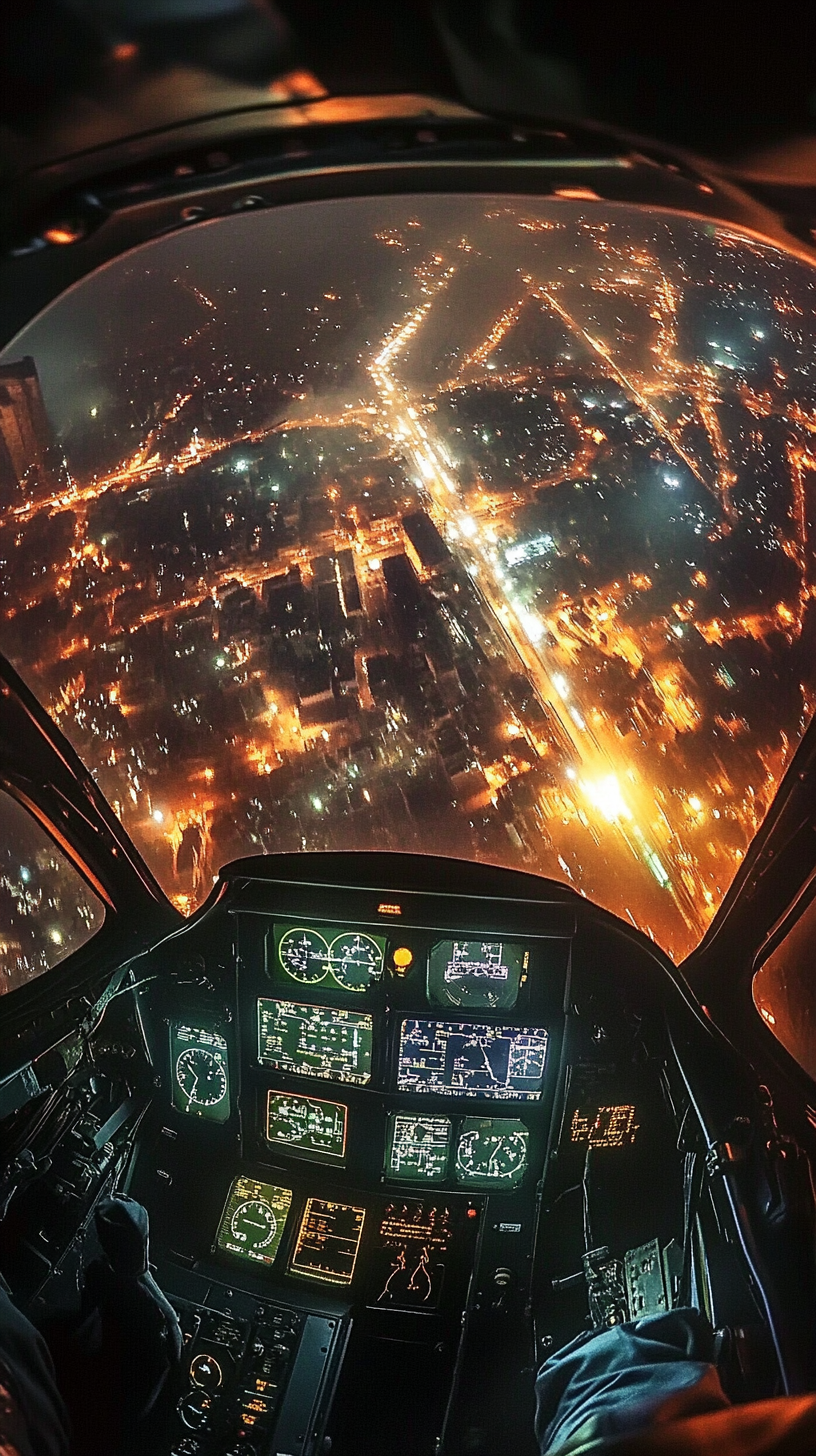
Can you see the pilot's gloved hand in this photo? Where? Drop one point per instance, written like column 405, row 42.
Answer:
column 129, row 1341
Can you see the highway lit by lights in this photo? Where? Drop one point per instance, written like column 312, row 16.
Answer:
column 609, row 783
column 595, row 773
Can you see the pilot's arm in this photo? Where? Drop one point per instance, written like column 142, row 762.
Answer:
column 33, row 1420
column 650, row 1387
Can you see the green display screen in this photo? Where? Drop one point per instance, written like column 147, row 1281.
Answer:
column 253, row 1220
column 418, row 1148
column 315, row 1041
column 476, row 973
column 306, row 1125
column 200, row 1072
column 491, row 1152
column 322, row 955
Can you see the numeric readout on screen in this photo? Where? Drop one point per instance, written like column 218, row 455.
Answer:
column 328, row 1241
column 418, row 1147
column 476, row 973
column 306, row 1125
column 455, row 1059
column 315, row 1041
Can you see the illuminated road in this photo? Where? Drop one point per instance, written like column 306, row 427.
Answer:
column 594, row 769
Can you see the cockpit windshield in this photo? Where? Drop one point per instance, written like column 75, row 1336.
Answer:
column 479, row 526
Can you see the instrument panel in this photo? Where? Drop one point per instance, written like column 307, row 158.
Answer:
column 370, row 1109
column 378, row 1078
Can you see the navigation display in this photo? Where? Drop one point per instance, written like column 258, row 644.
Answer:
column 320, row 955
column 328, row 1241
column 491, row 1152
column 409, row 1255
column 453, row 1059
column 200, row 1068
column 254, row 1219
column 476, row 973
column 418, row 1147
column 315, row 1041
column 306, row 1125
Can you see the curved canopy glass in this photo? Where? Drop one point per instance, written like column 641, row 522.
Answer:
column 469, row 525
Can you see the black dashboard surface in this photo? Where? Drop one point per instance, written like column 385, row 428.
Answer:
column 393, row 1094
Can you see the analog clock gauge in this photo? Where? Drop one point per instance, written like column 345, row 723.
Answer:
column 201, row 1074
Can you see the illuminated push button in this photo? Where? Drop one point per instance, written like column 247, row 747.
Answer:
column 206, row 1372
column 402, row 959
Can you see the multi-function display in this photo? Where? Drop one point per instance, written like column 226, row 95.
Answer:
column 476, row 973
column 418, row 1147
column 452, row 1059
column 253, row 1220
column 408, row 1256
column 315, row 1041
column 491, row 1152
column 306, row 1125
column 200, row 1068
column 321, row 955
column 328, row 1241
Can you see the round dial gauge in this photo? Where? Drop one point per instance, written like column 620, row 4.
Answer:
column 355, row 961
column 202, row 1076
column 254, row 1224
column 304, row 955
column 490, row 1155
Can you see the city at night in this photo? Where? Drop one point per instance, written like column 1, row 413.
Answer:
column 473, row 526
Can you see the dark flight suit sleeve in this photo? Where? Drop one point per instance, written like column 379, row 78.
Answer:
column 33, row 1419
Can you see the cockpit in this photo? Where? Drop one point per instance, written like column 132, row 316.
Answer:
column 407, row 619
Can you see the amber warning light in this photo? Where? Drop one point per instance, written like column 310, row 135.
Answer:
column 386, row 909
column 402, row 959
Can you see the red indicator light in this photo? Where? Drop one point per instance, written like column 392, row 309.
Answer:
column 473, row 1213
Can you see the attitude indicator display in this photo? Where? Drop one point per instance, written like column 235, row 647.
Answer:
column 253, row 1220
column 347, row 961
column 418, row 1147
column 454, row 1059
column 491, row 1152
column 409, row 1254
column 315, row 1041
column 476, row 973
column 200, row 1067
column 328, row 1241
column 306, row 1125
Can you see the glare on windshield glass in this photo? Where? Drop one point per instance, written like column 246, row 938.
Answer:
column 473, row 526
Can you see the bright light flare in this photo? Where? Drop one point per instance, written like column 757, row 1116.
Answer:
column 606, row 797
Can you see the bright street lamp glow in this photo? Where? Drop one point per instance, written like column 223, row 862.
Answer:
column 605, row 796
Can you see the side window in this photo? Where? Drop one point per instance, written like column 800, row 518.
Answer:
column 785, row 989
column 46, row 908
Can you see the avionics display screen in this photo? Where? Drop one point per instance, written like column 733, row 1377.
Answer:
column 454, row 1059
column 306, row 1125
column 491, row 1152
column 321, row 955
column 408, row 1258
column 476, row 973
column 200, row 1070
column 613, row 1126
column 253, row 1220
column 315, row 1041
column 418, row 1147
column 328, row 1241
